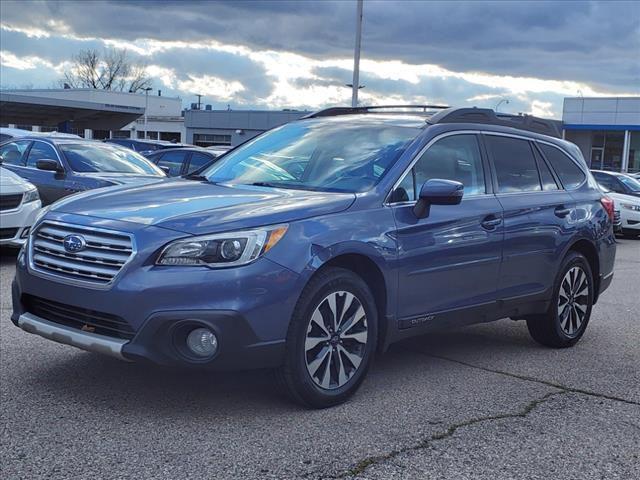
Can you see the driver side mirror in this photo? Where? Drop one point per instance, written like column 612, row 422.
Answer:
column 437, row 192
column 49, row 165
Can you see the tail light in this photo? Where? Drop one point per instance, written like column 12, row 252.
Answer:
column 609, row 206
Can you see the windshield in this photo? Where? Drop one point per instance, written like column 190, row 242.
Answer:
column 100, row 157
column 631, row 183
column 323, row 155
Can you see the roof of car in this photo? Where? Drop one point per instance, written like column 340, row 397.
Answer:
column 617, row 174
column 397, row 119
column 184, row 149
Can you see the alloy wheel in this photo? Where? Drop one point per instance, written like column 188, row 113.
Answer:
column 573, row 301
column 336, row 340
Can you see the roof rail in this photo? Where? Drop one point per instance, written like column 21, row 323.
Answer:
column 335, row 111
column 487, row 116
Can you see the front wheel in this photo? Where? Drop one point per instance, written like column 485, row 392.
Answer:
column 568, row 315
column 331, row 339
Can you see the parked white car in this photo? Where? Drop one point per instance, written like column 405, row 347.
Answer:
column 629, row 207
column 19, row 205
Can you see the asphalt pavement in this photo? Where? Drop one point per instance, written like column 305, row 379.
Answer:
column 484, row 402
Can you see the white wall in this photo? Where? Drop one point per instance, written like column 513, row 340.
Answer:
column 601, row 111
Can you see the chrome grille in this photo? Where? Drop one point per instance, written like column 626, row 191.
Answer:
column 99, row 262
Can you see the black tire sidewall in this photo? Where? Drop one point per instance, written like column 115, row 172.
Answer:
column 326, row 282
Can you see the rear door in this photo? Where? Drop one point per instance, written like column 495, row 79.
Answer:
column 449, row 261
column 537, row 217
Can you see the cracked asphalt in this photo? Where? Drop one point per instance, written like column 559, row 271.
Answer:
column 481, row 402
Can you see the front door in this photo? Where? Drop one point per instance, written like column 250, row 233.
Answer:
column 51, row 185
column 450, row 260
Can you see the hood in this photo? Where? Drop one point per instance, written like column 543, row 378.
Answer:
column 121, row 178
column 10, row 179
column 623, row 198
column 200, row 207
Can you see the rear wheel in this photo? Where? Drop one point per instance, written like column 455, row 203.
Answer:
column 566, row 319
column 331, row 339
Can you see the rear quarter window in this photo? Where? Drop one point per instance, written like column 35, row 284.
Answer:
column 569, row 173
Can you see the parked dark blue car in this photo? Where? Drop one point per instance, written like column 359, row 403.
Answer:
column 319, row 242
column 61, row 166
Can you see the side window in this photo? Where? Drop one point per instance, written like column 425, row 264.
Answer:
column 456, row 157
column 609, row 182
column 13, row 152
column 405, row 192
column 515, row 165
column 548, row 182
column 40, row 151
column 198, row 160
column 173, row 161
column 570, row 174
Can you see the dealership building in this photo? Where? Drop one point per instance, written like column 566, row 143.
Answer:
column 607, row 130
column 94, row 113
column 233, row 127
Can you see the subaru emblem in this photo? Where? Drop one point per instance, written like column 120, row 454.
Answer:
column 74, row 243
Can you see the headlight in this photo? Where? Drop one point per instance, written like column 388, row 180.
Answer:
column 628, row 206
column 222, row 250
column 31, row 196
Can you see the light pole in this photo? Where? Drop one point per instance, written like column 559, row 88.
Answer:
column 355, row 85
column 146, row 106
column 504, row 100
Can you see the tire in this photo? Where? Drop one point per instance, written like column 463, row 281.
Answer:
column 314, row 347
column 562, row 327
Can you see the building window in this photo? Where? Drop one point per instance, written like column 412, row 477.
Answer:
column 150, row 135
column 170, row 136
column 100, row 134
column 208, row 140
column 121, row 134
column 634, row 152
column 606, row 150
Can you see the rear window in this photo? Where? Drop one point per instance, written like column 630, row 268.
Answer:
column 515, row 165
column 569, row 173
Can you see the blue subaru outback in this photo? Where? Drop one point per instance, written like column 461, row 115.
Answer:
column 325, row 240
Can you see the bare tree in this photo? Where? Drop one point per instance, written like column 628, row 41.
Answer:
column 111, row 70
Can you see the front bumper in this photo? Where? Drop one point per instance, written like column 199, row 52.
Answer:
column 630, row 219
column 18, row 222
column 248, row 308
column 71, row 336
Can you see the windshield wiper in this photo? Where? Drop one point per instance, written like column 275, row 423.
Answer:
column 192, row 176
column 293, row 186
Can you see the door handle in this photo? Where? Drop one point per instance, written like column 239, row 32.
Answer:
column 491, row 222
column 561, row 211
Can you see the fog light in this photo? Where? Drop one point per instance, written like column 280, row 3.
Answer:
column 202, row 342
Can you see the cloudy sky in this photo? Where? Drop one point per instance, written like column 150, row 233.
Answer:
column 281, row 54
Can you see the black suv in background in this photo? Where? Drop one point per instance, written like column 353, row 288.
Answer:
column 61, row 166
